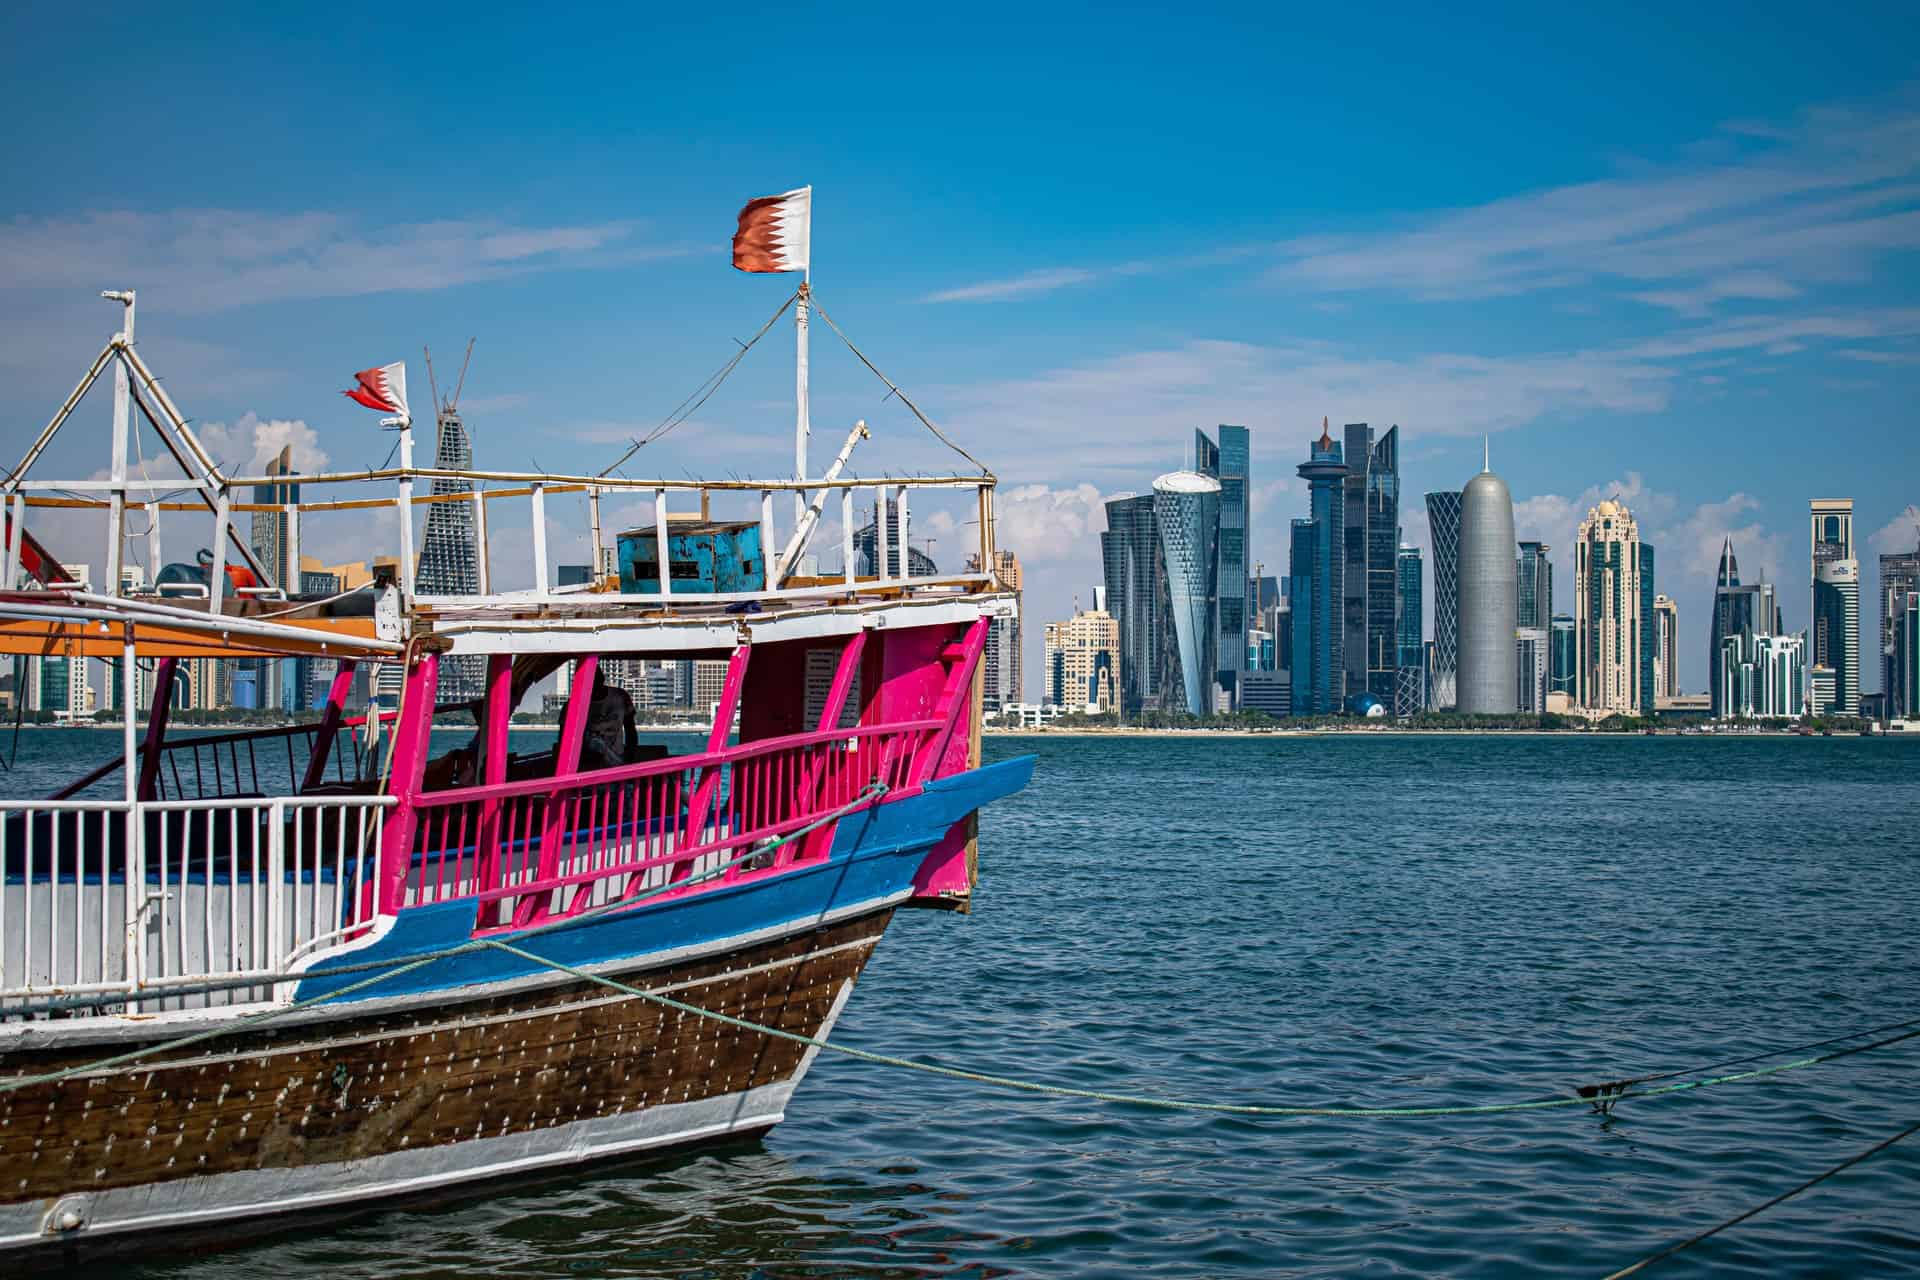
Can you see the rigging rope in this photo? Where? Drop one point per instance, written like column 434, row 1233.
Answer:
column 1757, row 1210
column 684, row 410
column 925, row 421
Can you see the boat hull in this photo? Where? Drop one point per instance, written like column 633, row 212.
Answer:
column 425, row 1095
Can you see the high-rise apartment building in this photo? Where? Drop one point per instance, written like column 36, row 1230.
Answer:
column 1318, row 570
column 1487, row 679
column 1002, row 685
column 1762, row 677
column 1186, row 508
column 1082, row 660
column 1410, row 690
column 1533, row 586
column 1230, row 462
column 1612, row 602
column 1443, row 523
column 1899, row 578
column 1135, row 571
column 1836, row 600
column 1666, row 648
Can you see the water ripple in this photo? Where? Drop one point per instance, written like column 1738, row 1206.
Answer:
column 1339, row 921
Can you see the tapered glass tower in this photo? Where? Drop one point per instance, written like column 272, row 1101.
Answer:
column 1186, row 506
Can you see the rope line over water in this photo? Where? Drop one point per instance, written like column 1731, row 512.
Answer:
column 1757, row 1210
column 1601, row 1097
column 1610, row 1093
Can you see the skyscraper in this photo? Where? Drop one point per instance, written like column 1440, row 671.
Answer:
column 1410, row 691
column 866, row 545
column 1135, row 571
column 1836, row 600
column 1230, row 462
column 1318, row 569
column 1728, row 619
column 268, row 532
column 1904, row 692
column 1533, row 668
column 1613, row 663
column 1443, row 521
column 1370, row 546
column 1186, row 507
column 449, row 549
column 1487, row 679
column 1533, row 599
column 1666, row 648
column 1647, row 629
column 1560, row 638
column 1899, row 578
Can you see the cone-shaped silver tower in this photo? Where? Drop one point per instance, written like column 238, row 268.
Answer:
column 1488, row 680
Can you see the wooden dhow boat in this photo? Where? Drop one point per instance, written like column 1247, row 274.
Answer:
column 355, row 957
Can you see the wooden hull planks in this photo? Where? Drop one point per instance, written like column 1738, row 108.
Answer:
column 404, row 1100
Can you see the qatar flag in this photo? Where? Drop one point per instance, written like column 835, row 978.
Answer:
column 384, row 389
column 776, row 232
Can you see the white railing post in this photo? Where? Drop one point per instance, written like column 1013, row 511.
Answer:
column 480, row 542
column 900, row 524
column 766, row 536
column 882, row 538
column 132, row 872
column 278, row 943
column 846, row 534
column 540, row 584
column 16, row 538
column 217, row 571
column 660, row 541
column 153, row 547
column 290, row 576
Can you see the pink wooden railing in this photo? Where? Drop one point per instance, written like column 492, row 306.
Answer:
column 536, row 849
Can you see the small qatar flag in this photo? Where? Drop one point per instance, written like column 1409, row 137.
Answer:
column 384, row 389
column 776, row 232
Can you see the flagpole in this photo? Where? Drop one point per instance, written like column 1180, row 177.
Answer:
column 801, row 426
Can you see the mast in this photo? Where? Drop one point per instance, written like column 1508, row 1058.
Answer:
column 122, row 417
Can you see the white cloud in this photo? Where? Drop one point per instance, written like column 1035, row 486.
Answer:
column 1816, row 201
column 248, row 446
column 1900, row 534
column 206, row 260
column 1044, row 524
column 1044, row 281
column 1124, row 416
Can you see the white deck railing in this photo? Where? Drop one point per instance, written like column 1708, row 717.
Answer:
column 215, row 891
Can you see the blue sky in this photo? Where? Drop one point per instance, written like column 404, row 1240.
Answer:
column 1670, row 256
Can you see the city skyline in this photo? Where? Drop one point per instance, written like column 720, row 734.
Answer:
column 1671, row 294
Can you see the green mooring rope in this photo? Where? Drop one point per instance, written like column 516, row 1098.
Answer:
column 1602, row 1097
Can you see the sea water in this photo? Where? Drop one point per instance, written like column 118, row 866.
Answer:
column 1342, row 920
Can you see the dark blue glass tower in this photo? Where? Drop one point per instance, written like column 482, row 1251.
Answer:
column 1319, row 679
